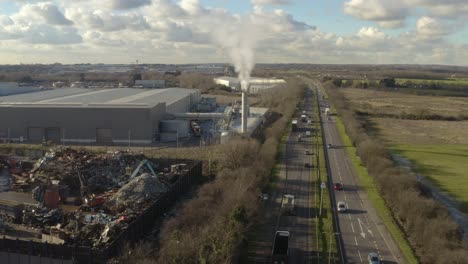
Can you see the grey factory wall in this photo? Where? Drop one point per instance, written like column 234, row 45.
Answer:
column 185, row 103
column 82, row 124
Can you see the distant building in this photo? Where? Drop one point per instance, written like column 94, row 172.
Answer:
column 59, row 84
column 78, row 85
column 255, row 84
column 158, row 84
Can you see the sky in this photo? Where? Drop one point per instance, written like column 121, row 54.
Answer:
column 209, row 31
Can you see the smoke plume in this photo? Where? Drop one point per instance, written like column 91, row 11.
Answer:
column 236, row 35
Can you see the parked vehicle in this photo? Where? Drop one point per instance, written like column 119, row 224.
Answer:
column 280, row 252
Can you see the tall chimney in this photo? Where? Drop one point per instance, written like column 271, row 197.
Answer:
column 245, row 106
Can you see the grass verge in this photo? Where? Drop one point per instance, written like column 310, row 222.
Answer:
column 377, row 201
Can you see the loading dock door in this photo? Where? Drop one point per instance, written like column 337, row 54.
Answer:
column 53, row 134
column 104, row 135
column 35, row 134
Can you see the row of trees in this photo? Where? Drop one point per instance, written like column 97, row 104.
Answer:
column 429, row 228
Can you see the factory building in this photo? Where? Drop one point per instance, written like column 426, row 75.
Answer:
column 9, row 88
column 155, row 84
column 102, row 116
column 255, row 84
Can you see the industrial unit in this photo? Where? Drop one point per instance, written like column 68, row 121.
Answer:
column 255, row 84
column 9, row 88
column 103, row 116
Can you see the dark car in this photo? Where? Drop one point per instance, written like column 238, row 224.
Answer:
column 373, row 258
column 338, row 186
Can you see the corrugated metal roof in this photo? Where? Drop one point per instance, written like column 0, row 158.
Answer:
column 118, row 97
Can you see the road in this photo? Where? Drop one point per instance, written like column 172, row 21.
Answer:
column 298, row 181
column 361, row 229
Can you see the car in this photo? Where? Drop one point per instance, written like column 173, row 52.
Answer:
column 329, row 145
column 338, row 186
column 373, row 258
column 307, row 165
column 307, row 152
column 341, row 206
column 264, row 196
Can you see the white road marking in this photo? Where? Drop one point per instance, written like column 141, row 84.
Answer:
column 360, row 257
column 360, row 226
column 352, row 226
column 355, row 240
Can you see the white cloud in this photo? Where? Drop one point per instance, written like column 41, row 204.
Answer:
column 392, row 14
column 388, row 13
column 271, row 2
column 182, row 31
column 128, row 4
column 45, row 12
column 106, row 21
column 431, row 28
column 371, row 33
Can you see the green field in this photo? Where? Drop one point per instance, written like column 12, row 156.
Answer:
column 445, row 165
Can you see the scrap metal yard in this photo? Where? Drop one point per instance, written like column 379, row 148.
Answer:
column 78, row 205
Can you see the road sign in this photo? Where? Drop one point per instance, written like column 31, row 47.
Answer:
column 323, row 185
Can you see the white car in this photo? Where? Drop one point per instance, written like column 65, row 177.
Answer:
column 341, row 206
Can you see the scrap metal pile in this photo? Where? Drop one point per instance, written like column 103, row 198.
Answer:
column 89, row 198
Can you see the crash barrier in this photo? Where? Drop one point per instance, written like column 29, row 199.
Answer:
column 133, row 233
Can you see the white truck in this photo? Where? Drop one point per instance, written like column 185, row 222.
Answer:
column 327, row 111
column 287, row 204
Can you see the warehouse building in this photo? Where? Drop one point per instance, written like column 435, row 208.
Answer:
column 102, row 116
column 9, row 88
column 155, row 84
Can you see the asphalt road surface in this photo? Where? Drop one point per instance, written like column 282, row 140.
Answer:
column 298, row 181
column 361, row 230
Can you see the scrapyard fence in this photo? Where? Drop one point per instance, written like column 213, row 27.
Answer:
column 134, row 231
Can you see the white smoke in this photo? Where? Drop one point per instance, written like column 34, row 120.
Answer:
column 236, row 35
column 239, row 40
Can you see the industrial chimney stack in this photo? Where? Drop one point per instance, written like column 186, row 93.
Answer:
column 245, row 105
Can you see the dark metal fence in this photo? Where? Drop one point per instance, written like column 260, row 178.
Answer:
column 134, row 231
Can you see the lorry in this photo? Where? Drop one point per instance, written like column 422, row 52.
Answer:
column 303, row 118
column 280, row 248
column 294, row 125
column 287, row 204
